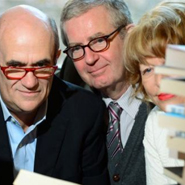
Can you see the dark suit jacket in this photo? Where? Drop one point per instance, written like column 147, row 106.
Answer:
column 71, row 141
column 131, row 167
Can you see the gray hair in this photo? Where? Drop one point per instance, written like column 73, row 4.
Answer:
column 54, row 29
column 118, row 10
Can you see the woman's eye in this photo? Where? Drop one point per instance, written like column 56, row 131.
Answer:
column 148, row 70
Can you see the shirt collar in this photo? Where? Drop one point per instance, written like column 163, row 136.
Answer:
column 6, row 112
column 129, row 104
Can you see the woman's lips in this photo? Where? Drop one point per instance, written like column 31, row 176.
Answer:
column 165, row 96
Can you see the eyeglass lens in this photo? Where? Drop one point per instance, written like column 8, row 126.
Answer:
column 95, row 45
column 19, row 73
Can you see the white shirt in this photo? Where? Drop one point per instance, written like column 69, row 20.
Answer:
column 156, row 151
column 130, row 108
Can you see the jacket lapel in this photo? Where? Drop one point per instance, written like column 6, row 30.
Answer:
column 52, row 131
column 6, row 161
column 49, row 144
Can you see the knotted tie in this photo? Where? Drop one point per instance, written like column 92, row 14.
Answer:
column 114, row 144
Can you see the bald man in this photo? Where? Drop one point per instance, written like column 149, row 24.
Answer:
column 46, row 125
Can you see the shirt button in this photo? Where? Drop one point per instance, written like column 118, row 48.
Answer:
column 116, row 177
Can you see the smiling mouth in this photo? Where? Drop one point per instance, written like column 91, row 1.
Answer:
column 29, row 93
column 165, row 96
column 97, row 71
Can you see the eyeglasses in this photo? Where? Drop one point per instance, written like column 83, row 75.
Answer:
column 17, row 73
column 96, row 45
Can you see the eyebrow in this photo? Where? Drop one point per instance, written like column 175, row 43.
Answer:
column 96, row 35
column 99, row 34
column 19, row 63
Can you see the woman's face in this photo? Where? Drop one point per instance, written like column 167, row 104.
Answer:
column 151, row 83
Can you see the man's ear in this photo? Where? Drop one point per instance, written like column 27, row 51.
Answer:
column 57, row 56
column 58, row 53
column 129, row 27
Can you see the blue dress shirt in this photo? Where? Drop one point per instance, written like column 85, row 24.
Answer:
column 23, row 144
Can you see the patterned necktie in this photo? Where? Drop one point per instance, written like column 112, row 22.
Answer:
column 114, row 144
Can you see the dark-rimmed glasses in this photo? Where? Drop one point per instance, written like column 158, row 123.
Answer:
column 17, row 73
column 96, row 45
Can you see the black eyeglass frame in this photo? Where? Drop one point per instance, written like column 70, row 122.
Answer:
column 105, row 37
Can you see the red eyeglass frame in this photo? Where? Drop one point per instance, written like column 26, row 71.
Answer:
column 31, row 69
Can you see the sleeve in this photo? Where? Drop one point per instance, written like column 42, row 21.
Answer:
column 156, row 152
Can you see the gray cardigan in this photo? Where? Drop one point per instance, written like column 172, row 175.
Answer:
column 131, row 168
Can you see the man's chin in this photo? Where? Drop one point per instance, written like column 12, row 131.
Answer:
column 99, row 84
column 28, row 107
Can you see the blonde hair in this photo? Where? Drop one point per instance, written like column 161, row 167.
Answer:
column 165, row 24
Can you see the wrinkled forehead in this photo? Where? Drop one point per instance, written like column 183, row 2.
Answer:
column 21, row 28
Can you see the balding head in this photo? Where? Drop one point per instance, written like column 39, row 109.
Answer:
column 24, row 10
column 24, row 18
column 20, row 16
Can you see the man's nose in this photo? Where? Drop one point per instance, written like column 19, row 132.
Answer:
column 29, row 80
column 90, row 56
